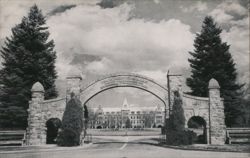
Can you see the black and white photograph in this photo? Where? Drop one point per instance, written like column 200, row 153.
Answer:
column 124, row 79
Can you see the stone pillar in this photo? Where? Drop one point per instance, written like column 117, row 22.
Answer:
column 217, row 134
column 73, row 85
column 36, row 130
column 175, row 84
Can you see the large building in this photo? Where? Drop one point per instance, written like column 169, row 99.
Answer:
column 126, row 116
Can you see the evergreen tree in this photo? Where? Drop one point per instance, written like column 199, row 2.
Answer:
column 28, row 57
column 86, row 112
column 175, row 125
column 86, row 120
column 72, row 123
column 211, row 59
column 177, row 118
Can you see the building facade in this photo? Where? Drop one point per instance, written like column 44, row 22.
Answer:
column 126, row 116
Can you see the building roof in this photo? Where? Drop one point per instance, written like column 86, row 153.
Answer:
column 134, row 109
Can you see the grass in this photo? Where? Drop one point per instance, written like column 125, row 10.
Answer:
column 122, row 132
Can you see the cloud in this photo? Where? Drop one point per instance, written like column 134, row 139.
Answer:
column 233, row 8
column 110, row 3
column 228, row 11
column 157, row 1
column 61, row 9
column 141, row 37
column 158, row 75
column 123, row 45
column 198, row 6
column 99, row 66
column 17, row 11
column 238, row 38
column 234, row 17
column 221, row 16
column 11, row 12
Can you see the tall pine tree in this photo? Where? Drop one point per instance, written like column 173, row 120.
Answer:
column 28, row 57
column 211, row 59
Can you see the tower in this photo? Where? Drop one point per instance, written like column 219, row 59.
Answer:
column 125, row 112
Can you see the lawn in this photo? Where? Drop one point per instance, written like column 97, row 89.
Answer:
column 122, row 132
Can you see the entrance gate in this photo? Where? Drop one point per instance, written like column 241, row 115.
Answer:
column 211, row 109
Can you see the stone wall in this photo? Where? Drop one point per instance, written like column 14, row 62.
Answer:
column 195, row 106
column 210, row 109
column 53, row 108
column 39, row 112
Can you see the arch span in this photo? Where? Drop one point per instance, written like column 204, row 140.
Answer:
column 124, row 80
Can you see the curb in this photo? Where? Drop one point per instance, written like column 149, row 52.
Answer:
column 202, row 149
column 46, row 149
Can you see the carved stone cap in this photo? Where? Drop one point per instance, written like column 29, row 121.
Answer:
column 37, row 87
column 213, row 84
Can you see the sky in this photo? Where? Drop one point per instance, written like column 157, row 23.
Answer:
column 148, row 37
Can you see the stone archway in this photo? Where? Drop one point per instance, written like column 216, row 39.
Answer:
column 124, row 80
column 53, row 126
column 40, row 110
column 198, row 125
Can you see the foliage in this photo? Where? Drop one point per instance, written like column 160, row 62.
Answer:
column 180, row 137
column 68, row 137
column 177, row 119
column 193, row 124
column 86, row 120
column 86, row 112
column 175, row 125
column 243, row 120
column 53, row 126
column 128, row 123
column 72, row 123
column 211, row 59
column 28, row 56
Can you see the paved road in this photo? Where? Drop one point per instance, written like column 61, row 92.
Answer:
column 120, row 147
